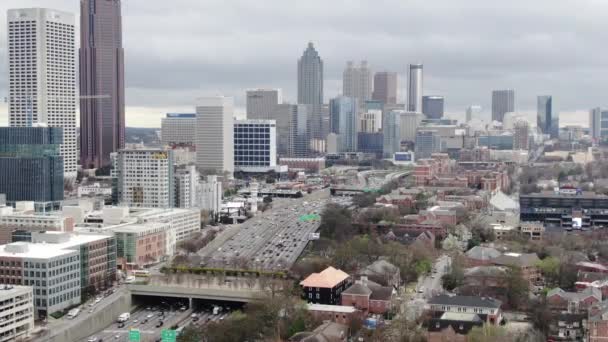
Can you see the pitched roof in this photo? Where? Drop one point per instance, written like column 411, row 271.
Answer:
column 576, row 296
column 380, row 266
column 482, row 253
column 517, row 259
column 328, row 278
column 358, row 289
column 469, row 301
column 495, row 271
column 503, row 202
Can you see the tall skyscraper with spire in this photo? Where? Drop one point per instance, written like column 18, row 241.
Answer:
column 42, row 75
column 102, row 88
column 414, row 91
column 310, row 88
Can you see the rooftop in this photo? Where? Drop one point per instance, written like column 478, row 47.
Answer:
column 517, row 259
column 7, row 291
column 34, row 250
column 328, row 278
column 331, row 308
column 482, row 253
column 469, row 301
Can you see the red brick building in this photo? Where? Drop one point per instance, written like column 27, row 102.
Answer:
column 481, row 256
column 368, row 296
column 573, row 302
column 597, row 325
column 335, row 313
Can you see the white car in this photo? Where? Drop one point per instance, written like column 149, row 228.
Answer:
column 150, row 316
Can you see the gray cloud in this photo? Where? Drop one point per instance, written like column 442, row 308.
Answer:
column 180, row 49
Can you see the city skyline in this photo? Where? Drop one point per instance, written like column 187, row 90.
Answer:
column 479, row 70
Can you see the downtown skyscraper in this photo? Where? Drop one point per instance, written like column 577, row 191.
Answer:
column 42, row 75
column 310, row 89
column 503, row 101
column 385, row 87
column 357, row 82
column 414, row 91
column 102, row 89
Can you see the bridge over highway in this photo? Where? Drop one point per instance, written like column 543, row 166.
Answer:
column 196, row 286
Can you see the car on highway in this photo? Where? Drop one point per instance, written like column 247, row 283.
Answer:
column 121, row 325
column 150, row 316
column 93, row 339
column 159, row 324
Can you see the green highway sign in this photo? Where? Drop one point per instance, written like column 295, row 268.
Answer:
column 134, row 335
column 168, row 335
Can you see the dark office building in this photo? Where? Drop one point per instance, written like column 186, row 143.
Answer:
column 370, row 143
column 566, row 208
column 31, row 167
column 432, row 106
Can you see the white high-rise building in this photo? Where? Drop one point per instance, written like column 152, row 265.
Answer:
column 42, row 74
column 186, row 185
column 178, row 130
column 210, row 194
column 410, row 121
column 144, row 178
column 255, row 145
column 261, row 103
column 473, row 111
column 414, row 91
column 215, row 134
column 357, row 82
column 371, row 121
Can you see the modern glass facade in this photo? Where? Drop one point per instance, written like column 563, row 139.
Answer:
column 370, row 143
column 343, row 116
column 31, row 166
column 496, row 142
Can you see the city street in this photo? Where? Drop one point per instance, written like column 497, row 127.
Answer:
column 427, row 287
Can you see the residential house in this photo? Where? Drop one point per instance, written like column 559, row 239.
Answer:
column 567, row 327
column 485, row 281
column 527, row 263
column 481, row 256
column 452, row 326
column 597, row 325
column 488, row 309
column 383, row 272
column 368, row 296
column 336, row 313
column 574, row 302
column 325, row 287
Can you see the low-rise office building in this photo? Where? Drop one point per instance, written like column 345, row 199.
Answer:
column 52, row 271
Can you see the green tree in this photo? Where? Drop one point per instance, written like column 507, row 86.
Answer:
column 336, row 223
column 550, row 268
column 488, row 333
column 517, row 288
column 454, row 278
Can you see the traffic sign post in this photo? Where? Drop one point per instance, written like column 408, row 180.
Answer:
column 168, row 335
column 134, row 335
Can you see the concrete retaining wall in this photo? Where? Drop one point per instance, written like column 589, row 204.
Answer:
column 86, row 324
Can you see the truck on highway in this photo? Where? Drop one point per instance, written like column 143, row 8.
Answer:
column 216, row 310
column 123, row 317
column 73, row 313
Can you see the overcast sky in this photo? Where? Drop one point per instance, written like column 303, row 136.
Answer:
column 177, row 50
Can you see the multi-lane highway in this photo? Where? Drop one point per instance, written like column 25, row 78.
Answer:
column 272, row 240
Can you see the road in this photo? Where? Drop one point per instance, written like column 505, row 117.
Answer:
column 427, row 287
column 146, row 320
column 272, row 240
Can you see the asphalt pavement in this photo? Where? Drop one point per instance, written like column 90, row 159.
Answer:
column 272, row 240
